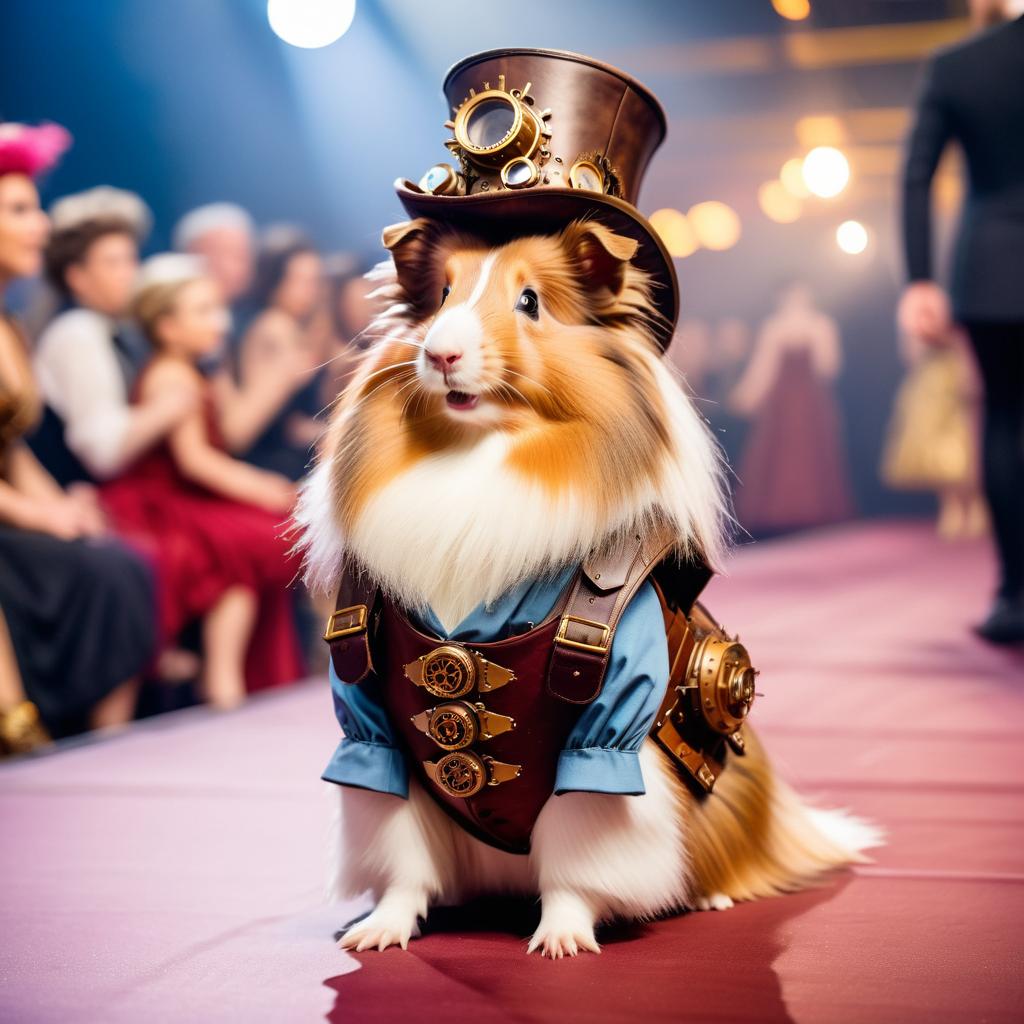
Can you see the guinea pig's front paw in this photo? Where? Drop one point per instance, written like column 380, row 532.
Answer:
column 386, row 926
column 716, row 901
column 566, row 926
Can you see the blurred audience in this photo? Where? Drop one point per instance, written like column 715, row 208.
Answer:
column 223, row 235
column 793, row 470
column 351, row 307
column 76, row 607
column 84, row 364
column 211, row 524
column 271, row 412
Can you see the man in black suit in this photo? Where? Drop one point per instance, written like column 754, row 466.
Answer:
column 974, row 94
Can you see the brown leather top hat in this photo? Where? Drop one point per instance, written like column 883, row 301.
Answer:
column 539, row 138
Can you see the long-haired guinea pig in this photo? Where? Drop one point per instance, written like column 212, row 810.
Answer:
column 512, row 415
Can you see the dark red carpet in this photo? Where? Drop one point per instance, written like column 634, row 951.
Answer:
column 173, row 874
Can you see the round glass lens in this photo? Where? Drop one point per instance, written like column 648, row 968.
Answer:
column 489, row 122
column 585, row 176
column 518, row 172
column 435, row 178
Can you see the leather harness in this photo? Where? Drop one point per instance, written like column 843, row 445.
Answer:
column 483, row 723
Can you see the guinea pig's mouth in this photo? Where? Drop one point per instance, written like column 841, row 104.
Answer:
column 461, row 401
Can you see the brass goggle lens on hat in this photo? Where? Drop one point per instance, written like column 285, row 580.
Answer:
column 498, row 131
column 587, row 175
column 493, row 126
column 443, row 180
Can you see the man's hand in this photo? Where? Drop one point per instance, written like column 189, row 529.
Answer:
column 924, row 312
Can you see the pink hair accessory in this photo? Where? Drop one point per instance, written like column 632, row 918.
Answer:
column 31, row 150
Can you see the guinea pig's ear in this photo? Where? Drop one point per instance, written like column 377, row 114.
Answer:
column 413, row 248
column 600, row 254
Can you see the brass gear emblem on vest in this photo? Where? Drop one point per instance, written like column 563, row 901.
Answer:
column 460, row 774
column 448, row 671
column 452, row 726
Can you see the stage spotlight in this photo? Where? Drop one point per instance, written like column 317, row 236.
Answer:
column 674, row 230
column 777, row 203
column 716, row 225
column 826, row 171
column 792, row 10
column 310, row 24
column 792, row 177
column 852, row 237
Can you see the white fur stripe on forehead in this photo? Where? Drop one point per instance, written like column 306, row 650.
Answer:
column 481, row 282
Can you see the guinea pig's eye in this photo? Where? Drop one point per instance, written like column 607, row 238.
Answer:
column 527, row 303
column 445, row 292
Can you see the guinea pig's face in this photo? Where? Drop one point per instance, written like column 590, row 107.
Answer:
column 507, row 333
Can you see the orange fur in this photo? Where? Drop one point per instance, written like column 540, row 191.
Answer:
column 573, row 391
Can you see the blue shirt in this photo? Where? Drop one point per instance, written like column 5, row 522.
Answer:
column 601, row 754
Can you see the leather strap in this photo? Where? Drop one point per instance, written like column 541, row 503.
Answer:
column 603, row 588
column 347, row 632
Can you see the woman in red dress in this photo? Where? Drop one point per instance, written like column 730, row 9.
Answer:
column 213, row 526
column 793, row 472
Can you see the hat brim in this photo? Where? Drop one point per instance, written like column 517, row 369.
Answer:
column 509, row 214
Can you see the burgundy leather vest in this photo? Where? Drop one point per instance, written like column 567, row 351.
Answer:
column 500, row 813
column 482, row 724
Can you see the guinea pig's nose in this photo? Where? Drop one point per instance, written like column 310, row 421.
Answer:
column 442, row 361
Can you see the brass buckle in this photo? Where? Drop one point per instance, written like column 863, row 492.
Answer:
column 335, row 631
column 600, row 648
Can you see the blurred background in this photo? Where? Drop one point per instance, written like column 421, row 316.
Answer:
column 191, row 102
column 158, row 421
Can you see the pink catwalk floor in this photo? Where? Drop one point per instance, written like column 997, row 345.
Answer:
column 174, row 873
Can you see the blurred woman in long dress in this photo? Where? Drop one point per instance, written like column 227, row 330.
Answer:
column 76, row 607
column 213, row 525
column 793, row 470
column 932, row 442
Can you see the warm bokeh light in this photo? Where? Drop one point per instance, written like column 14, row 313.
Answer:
column 675, row 231
column 792, row 10
column 777, row 203
column 792, row 178
column 310, row 24
column 716, row 225
column 826, row 171
column 820, row 130
column 852, row 237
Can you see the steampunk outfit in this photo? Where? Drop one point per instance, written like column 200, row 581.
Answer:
column 553, row 687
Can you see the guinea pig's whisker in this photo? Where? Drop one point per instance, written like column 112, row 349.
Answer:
column 415, row 393
column 407, row 376
column 389, row 367
column 530, row 380
column 414, row 344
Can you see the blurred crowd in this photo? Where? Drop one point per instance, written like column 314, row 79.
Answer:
column 155, row 419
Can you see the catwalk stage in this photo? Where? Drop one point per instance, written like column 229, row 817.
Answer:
column 173, row 873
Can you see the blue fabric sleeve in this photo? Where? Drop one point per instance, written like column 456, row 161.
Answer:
column 601, row 754
column 367, row 755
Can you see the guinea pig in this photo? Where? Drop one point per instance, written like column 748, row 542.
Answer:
column 512, row 416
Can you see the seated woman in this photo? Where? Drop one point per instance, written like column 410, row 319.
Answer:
column 77, row 616
column 85, row 359
column 270, row 411
column 212, row 524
